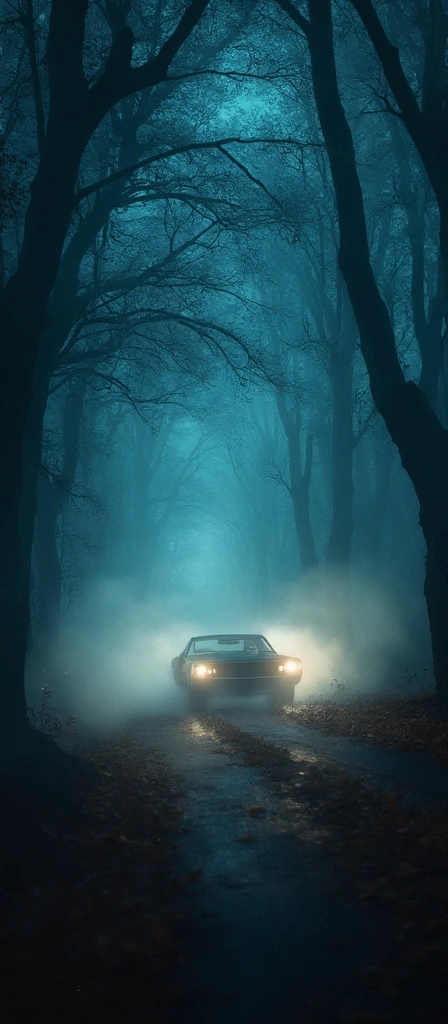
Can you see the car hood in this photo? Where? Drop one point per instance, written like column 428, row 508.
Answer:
column 236, row 656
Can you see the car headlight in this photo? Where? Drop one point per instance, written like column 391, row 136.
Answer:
column 203, row 671
column 291, row 667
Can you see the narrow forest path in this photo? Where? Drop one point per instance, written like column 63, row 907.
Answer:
column 279, row 929
column 229, row 866
column 418, row 779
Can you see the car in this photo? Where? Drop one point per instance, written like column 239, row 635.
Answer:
column 241, row 664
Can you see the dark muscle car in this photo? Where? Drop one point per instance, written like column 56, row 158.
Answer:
column 243, row 664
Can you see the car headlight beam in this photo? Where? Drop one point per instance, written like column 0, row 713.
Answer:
column 290, row 667
column 203, row 671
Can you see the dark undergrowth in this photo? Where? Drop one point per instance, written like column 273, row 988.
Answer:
column 93, row 916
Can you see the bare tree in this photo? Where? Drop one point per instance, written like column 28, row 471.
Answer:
column 412, row 424
column 75, row 111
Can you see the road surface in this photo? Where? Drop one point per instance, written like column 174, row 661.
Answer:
column 278, row 932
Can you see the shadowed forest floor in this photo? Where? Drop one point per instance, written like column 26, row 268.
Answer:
column 92, row 910
column 106, row 913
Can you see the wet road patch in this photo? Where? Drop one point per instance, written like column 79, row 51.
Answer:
column 270, row 939
column 393, row 857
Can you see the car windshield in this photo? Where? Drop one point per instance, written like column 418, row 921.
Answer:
column 229, row 645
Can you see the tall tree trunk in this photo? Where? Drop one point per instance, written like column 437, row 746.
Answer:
column 53, row 497
column 427, row 310
column 14, row 579
column 301, row 505
column 413, row 426
column 23, row 318
column 75, row 111
column 300, row 480
column 339, row 550
column 47, row 561
column 426, row 124
column 383, row 459
column 150, row 446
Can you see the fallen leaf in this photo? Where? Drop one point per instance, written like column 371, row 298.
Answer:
column 256, row 812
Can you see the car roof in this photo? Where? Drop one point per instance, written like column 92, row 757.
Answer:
column 228, row 636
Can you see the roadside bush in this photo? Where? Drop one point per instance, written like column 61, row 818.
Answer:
column 47, row 720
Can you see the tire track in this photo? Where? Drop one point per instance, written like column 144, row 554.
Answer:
column 395, row 858
column 272, row 937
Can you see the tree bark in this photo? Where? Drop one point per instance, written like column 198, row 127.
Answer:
column 75, row 111
column 428, row 316
column 421, row 440
column 426, row 125
column 339, row 550
column 300, row 480
column 48, row 573
column 383, row 459
column 413, row 426
column 150, row 446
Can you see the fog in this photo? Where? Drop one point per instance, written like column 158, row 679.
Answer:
column 212, row 457
column 112, row 660
column 223, row 410
column 183, row 524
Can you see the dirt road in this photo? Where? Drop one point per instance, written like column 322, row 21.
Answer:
column 279, row 928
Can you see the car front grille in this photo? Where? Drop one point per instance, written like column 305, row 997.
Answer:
column 245, row 669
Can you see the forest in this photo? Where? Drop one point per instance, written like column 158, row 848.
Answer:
column 223, row 406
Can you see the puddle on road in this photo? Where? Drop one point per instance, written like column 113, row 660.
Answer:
column 299, row 754
column 197, row 729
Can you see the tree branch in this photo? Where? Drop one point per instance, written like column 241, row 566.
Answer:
column 189, row 147
column 278, row 477
column 245, row 170
column 28, row 23
column 398, row 83
column 295, row 15
column 120, row 79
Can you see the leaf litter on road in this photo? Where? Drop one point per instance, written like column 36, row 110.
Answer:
column 394, row 857
column 417, row 724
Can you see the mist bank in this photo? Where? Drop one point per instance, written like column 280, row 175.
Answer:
column 112, row 658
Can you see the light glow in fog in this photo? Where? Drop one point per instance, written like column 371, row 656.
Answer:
column 115, row 657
